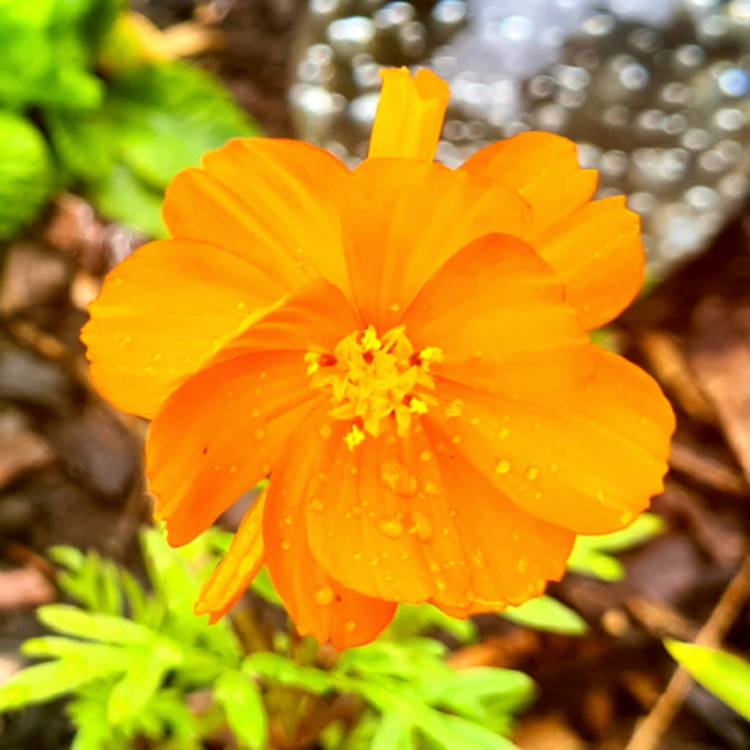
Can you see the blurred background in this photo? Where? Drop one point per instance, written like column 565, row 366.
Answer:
column 101, row 103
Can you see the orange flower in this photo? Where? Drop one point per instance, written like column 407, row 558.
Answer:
column 403, row 348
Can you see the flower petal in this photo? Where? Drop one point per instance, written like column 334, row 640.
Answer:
column 594, row 247
column 315, row 318
column 318, row 604
column 588, row 460
column 220, row 433
column 274, row 203
column 404, row 519
column 410, row 115
column 543, row 168
column 162, row 313
column 404, row 219
column 238, row 568
column 598, row 254
column 496, row 311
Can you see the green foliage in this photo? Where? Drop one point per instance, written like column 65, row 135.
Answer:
column 26, row 173
column 725, row 675
column 121, row 134
column 155, row 121
column 48, row 51
column 592, row 554
column 546, row 613
column 129, row 657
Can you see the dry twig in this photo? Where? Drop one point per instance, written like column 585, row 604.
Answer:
column 649, row 732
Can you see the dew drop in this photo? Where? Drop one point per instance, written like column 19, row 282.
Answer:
column 455, row 408
column 425, row 456
column 285, row 545
column 259, row 434
column 421, row 526
column 522, row 564
column 255, row 413
column 504, row 432
column 503, row 466
column 241, row 305
column 316, row 505
column 430, row 488
column 397, row 478
column 391, row 527
column 326, row 431
column 324, row 596
column 532, row 473
column 233, row 469
column 350, row 626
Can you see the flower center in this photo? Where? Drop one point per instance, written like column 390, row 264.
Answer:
column 371, row 378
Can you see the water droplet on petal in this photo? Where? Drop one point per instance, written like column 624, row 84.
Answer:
column 504, row 432
column 503, row 466
column 391, row 527
column 259, row 434
column 324, row 596
column 326, row 431
column 430, row 488
column 532, row 473
column 421, row 526
column 316, row 505
column 397, row 478
column 425, row 456
column 522, row 564
column 350, row 626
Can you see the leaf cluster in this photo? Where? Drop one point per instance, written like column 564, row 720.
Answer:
column 134, row 662
column 79, row 108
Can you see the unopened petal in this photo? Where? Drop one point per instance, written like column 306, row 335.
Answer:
column 238, row 568
column 409, row 116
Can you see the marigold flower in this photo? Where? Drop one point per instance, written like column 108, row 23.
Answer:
column 403, row 349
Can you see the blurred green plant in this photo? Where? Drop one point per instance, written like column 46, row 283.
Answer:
column 85, row 104
column 592, row 555
column 725, row 675
column 138, row 665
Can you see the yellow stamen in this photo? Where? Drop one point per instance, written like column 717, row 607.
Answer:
column 354, row 437
column 371, row 378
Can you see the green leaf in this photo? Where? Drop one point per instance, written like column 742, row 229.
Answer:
column 263, row 587
column 143, row 679
column 546, row 613
column 44, row 682
column 241, row 700
column 168, row 116
column 50, row 647
column 417, row 619
column 455, row 733
column 644, row 528
column 278, row 668
column 124, row 198
column 590, row 553
column 393, row 733
column 72, row 621
column 27, row 178
column 725, row 675
column 47, row 56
